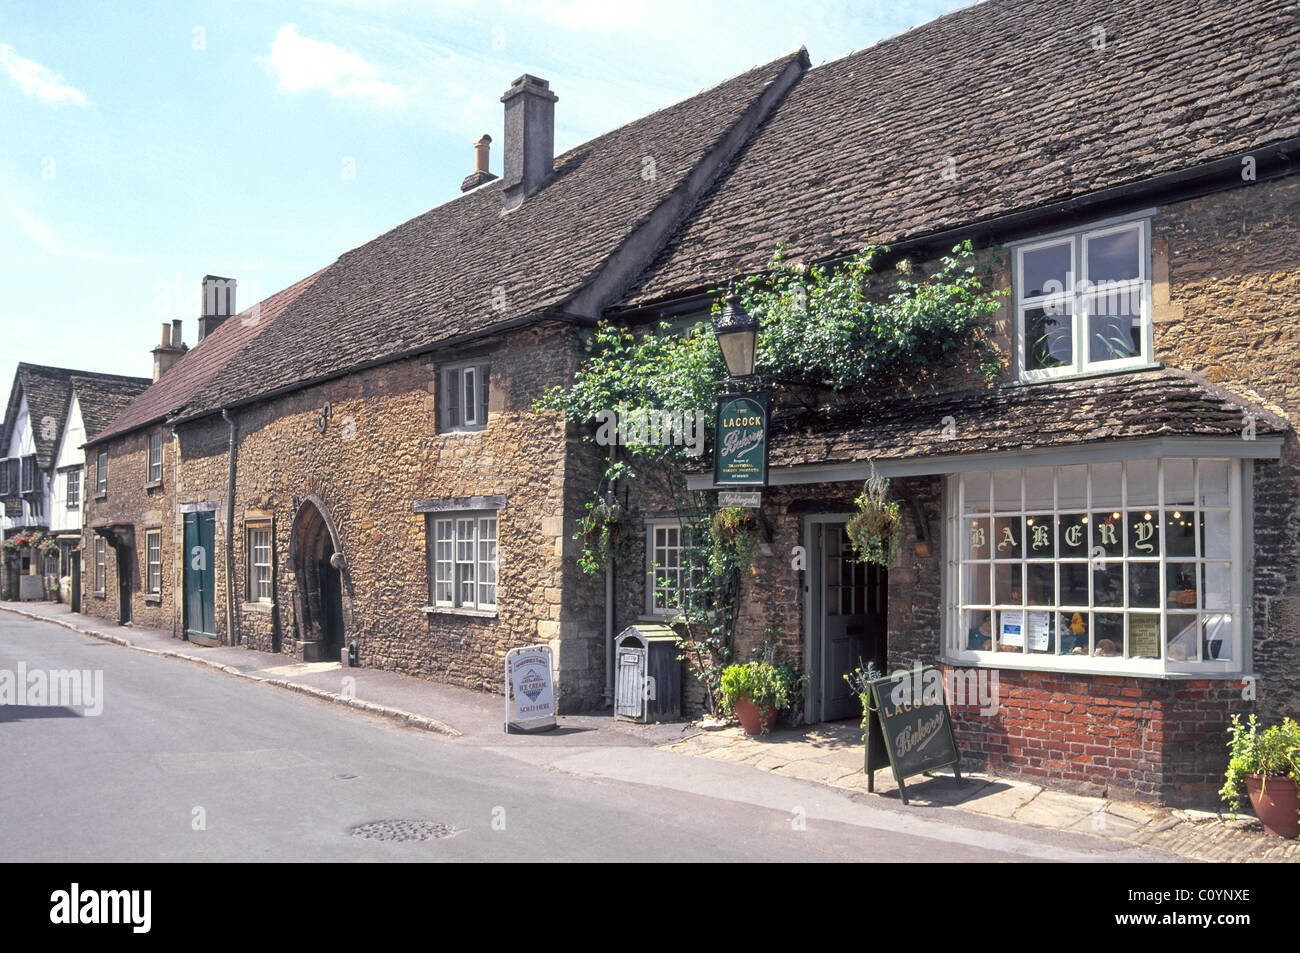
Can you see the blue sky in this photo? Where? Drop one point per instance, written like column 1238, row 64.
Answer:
column 147, row 144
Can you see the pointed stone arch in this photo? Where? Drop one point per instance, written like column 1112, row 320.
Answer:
column 322, row 599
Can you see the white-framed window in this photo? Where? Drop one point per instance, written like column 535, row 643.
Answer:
column 672, row 569
column 463, row 396
column 101, row 473
column 101, row 573
column 1082, row 301
column 72, row 488
column 155, row 457
column 153, row 561
column 463, row 560
column 1129, row 566
column 259, row 562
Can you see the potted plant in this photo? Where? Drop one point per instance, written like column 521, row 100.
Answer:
column 876, row 530
column 756, row 691
column 1267, row 764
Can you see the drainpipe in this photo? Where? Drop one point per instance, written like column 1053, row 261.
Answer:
column 609, row 617
column 230, row 531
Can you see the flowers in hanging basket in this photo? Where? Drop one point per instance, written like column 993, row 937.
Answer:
column 730, row 522
column 876, row 529
column 16, row 543
column 48, row 547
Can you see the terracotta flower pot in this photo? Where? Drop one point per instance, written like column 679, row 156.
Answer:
column 1276, row 801
column 753, row 720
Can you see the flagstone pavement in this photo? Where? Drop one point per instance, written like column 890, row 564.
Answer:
column 832, row 754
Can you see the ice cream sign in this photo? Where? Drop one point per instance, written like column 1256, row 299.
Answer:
column 530, row 689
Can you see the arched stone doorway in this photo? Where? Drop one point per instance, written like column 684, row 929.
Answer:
column 322, row 603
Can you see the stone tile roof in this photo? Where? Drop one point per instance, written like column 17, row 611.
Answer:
column 1156, row 403
column 103, row 398
column 49, row 391
column 464, row 266
column 194, row 374
column 1017, row 96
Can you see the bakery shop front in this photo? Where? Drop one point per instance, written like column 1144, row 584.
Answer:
column 1084, row 547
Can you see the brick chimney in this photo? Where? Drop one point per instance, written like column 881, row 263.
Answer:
column 530, row 138
column 481, row 173
column 218, row 303
column 169, row 350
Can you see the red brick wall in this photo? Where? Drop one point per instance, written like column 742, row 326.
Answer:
column 1104, row 735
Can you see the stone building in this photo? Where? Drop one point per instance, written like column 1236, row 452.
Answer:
column 1110, row 530
column 356, row 470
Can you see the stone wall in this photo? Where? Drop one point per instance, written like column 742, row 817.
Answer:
column 131, row 500
column 380, row 452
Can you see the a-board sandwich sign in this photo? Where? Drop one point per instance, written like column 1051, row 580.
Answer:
column 530, row 689
column 915, row 724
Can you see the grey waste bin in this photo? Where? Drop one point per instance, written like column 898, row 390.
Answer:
column 647, row 675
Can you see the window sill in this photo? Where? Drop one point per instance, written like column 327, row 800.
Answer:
column 153, row 599
column 101, row 496
column 153, row 485
column 259, row 606
column 1098, row 666
column 459, row 610
column 1135, row 368
column 456, row 431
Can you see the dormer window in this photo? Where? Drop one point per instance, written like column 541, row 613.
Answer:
column 1083, row 301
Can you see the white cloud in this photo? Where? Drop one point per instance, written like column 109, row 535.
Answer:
column 600, row 16
column 301, row 64
column 36, row 80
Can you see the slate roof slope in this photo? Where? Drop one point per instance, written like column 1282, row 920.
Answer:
column 464, row 267
column 49, row 391
column 194, row 373
column 1015, row 94
column 103, row 398
column 1156, row 403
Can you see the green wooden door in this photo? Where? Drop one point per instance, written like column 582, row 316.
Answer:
column 200, row 575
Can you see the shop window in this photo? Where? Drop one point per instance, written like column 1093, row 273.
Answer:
column 463, row 397
column 1130, row 565
column 673, row 566
column 1082, row 302
column 153, row 561
column 259, row 562
column 463, row 560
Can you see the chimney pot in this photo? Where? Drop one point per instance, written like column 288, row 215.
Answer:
column 529, row 157
column 480, row 173
column 169, row 350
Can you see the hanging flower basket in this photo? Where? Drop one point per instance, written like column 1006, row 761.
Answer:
column 731, row 522
column 876, row 530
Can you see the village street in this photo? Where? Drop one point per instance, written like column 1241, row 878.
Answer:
column 187, row 763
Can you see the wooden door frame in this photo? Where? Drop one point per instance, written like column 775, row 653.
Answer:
column 814, row 703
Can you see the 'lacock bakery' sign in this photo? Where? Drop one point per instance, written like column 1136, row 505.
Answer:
column 740, row 440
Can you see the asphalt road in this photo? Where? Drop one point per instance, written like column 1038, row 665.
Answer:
column 187, row 764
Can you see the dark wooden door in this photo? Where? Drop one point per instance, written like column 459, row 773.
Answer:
column 125, row 555
column 200, row 575
column 853, row 620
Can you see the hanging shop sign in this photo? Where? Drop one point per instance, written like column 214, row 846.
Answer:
column 14, row 507
column 732, row 498
column 530, row 689
column 915, row 724
column 740, row 440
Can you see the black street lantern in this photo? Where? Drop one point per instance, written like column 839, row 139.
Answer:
column 737, row 335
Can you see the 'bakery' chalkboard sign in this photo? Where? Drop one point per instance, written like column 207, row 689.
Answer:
column 917, row 730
